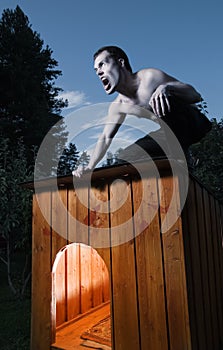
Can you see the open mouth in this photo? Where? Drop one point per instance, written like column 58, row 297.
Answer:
column 106, row 83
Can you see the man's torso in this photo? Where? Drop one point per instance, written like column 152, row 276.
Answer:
column 148, row 81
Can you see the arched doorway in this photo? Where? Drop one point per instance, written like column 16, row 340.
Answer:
column 80, row 292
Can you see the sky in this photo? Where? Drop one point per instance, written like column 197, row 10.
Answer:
column 183, row 38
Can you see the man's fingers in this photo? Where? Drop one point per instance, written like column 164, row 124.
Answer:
column 163, row 105
column 155, row 104
column 160, row 105
column 76, row 173
column 151, row 103
column 167, row 103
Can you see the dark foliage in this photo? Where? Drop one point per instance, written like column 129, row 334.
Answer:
column 208, row 159
column 29, row 104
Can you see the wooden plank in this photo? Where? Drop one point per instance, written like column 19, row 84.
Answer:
column 105, row 284
column 73, row 281
column 202, row 242
column 72, row 216
column 220, row 230
column 96, row 278
column 189, row 271
column 41, row 273
column 220, row 251
column 99, row 233
column 59, row 220
column 69, row 337
column 216, row 266
column 60, row 290
column 99, row 221
column 173, row 254
column 58, row 241
column 219, row 233
column 85, row 277
column 221, row 216
column 149, row 264
column 78, row 204
column 82, row 218
column 210, row 258
column 196, row 259
column 125, row 308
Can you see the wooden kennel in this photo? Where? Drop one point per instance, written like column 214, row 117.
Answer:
column 157, row 270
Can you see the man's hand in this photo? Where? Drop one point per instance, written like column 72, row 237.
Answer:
column 159, row 100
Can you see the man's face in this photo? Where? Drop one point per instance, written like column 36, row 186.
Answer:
column 108, row 70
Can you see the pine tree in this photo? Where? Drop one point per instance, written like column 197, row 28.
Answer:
column 83, row 159
column 68, row 160
column 29, row 104
column 29, row 108
column 15, row 213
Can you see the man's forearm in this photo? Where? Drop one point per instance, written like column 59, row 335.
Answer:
column 99, row 151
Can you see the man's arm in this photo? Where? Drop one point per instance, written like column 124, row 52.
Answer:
column 114, row 121
column 105, row 140
column 168, row 86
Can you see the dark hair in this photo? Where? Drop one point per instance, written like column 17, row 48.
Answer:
column 115, row 52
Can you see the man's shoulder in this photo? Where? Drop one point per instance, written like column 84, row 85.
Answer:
column 150, row 73
column 151, row 78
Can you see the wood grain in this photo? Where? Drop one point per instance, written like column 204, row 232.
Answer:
column 41, row 271
column 174, row 266
column 149, row 264
column 125, row 306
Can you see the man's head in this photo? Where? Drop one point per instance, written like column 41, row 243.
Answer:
column 116, row 53
column 111, row 64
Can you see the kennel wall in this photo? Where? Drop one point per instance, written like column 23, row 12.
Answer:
column 165, row 266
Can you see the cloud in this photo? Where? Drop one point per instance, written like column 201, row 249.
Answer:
column 75, row 98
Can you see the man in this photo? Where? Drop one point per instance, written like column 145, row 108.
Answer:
column 145, row 93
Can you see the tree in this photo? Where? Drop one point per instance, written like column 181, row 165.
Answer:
column 15, row 212
column 112, row 159
column 29, row 104
column 68, row 160
column 117, row 154
column 83, row 159
column 109, row 158
column 208, row 159
column 29, row 108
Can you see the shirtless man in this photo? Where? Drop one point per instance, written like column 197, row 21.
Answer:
column 144, row 94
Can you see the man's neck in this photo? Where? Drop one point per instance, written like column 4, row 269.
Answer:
column 128, row 85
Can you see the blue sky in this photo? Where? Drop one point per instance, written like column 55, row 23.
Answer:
column 183, row 38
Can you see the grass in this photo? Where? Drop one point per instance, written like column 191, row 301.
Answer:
column 15, row 316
